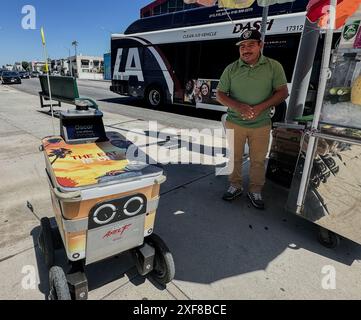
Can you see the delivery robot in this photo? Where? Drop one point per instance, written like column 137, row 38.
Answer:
column 104, row 203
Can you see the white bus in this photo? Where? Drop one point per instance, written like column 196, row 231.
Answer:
column 178, row 58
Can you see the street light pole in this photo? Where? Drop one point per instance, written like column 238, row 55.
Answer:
column 75, row 44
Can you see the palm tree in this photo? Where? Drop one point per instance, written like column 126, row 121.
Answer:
column 59, row 153
column 75, row 45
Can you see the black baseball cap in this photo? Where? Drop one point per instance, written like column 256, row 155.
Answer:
column 249, row 35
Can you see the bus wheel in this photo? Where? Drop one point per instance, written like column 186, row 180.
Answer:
column 154, row 97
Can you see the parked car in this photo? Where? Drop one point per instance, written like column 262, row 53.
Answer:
column 10, row 77
column 24, row 75
column 35, row 74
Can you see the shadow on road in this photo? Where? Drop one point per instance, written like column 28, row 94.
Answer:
column 212, row 239
column 176, row 109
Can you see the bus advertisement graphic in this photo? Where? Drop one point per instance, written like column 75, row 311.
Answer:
column 201, row 91
column 189, row 92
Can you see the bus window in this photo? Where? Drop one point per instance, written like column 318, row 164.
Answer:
column 216, row 56
column 168, row 51
column 193, row 59
column 184, row 59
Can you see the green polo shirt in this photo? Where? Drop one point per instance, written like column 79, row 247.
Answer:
column 252, row 85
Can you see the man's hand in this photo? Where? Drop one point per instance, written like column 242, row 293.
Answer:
column 257, row 110
column 278, row 96
column 246, row 111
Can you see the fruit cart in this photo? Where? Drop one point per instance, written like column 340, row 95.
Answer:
column 326, row 186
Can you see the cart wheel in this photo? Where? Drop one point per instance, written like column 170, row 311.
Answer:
column 164, row 269
column 46, row 242
column 328, row 238
column 58, row 284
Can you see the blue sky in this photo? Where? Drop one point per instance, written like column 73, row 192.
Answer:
column 87, row 21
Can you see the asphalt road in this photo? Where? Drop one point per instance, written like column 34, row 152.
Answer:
column 170, row 115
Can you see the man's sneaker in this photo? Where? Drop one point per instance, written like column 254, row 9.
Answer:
column 256, row 200
column 232, row 193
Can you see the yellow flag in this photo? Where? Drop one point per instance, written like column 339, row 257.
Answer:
column 42, row 36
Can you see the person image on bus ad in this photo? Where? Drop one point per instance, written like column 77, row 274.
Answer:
column 202, row 91
column 189, row 92
column 249, row 87
column 205, row 93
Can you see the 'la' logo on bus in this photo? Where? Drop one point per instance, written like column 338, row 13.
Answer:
column 133, row 67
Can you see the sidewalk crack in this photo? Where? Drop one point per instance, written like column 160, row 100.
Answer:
column 122, row 285
column 16, row 254
column 187, row 183
column 179, row 290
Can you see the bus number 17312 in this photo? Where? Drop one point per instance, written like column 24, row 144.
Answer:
column 298, row 28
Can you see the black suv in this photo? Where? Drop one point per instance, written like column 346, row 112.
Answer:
column 10, row 77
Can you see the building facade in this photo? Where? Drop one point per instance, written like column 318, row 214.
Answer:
column 37, row 66
column 87, row 67
column 18, row 67
column 60, row 66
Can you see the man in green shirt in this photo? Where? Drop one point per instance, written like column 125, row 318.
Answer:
column 249, row 87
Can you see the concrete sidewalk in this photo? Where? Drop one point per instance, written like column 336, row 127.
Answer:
column 221, row 250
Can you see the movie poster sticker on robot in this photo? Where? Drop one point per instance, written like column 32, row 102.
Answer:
column 79, row 165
